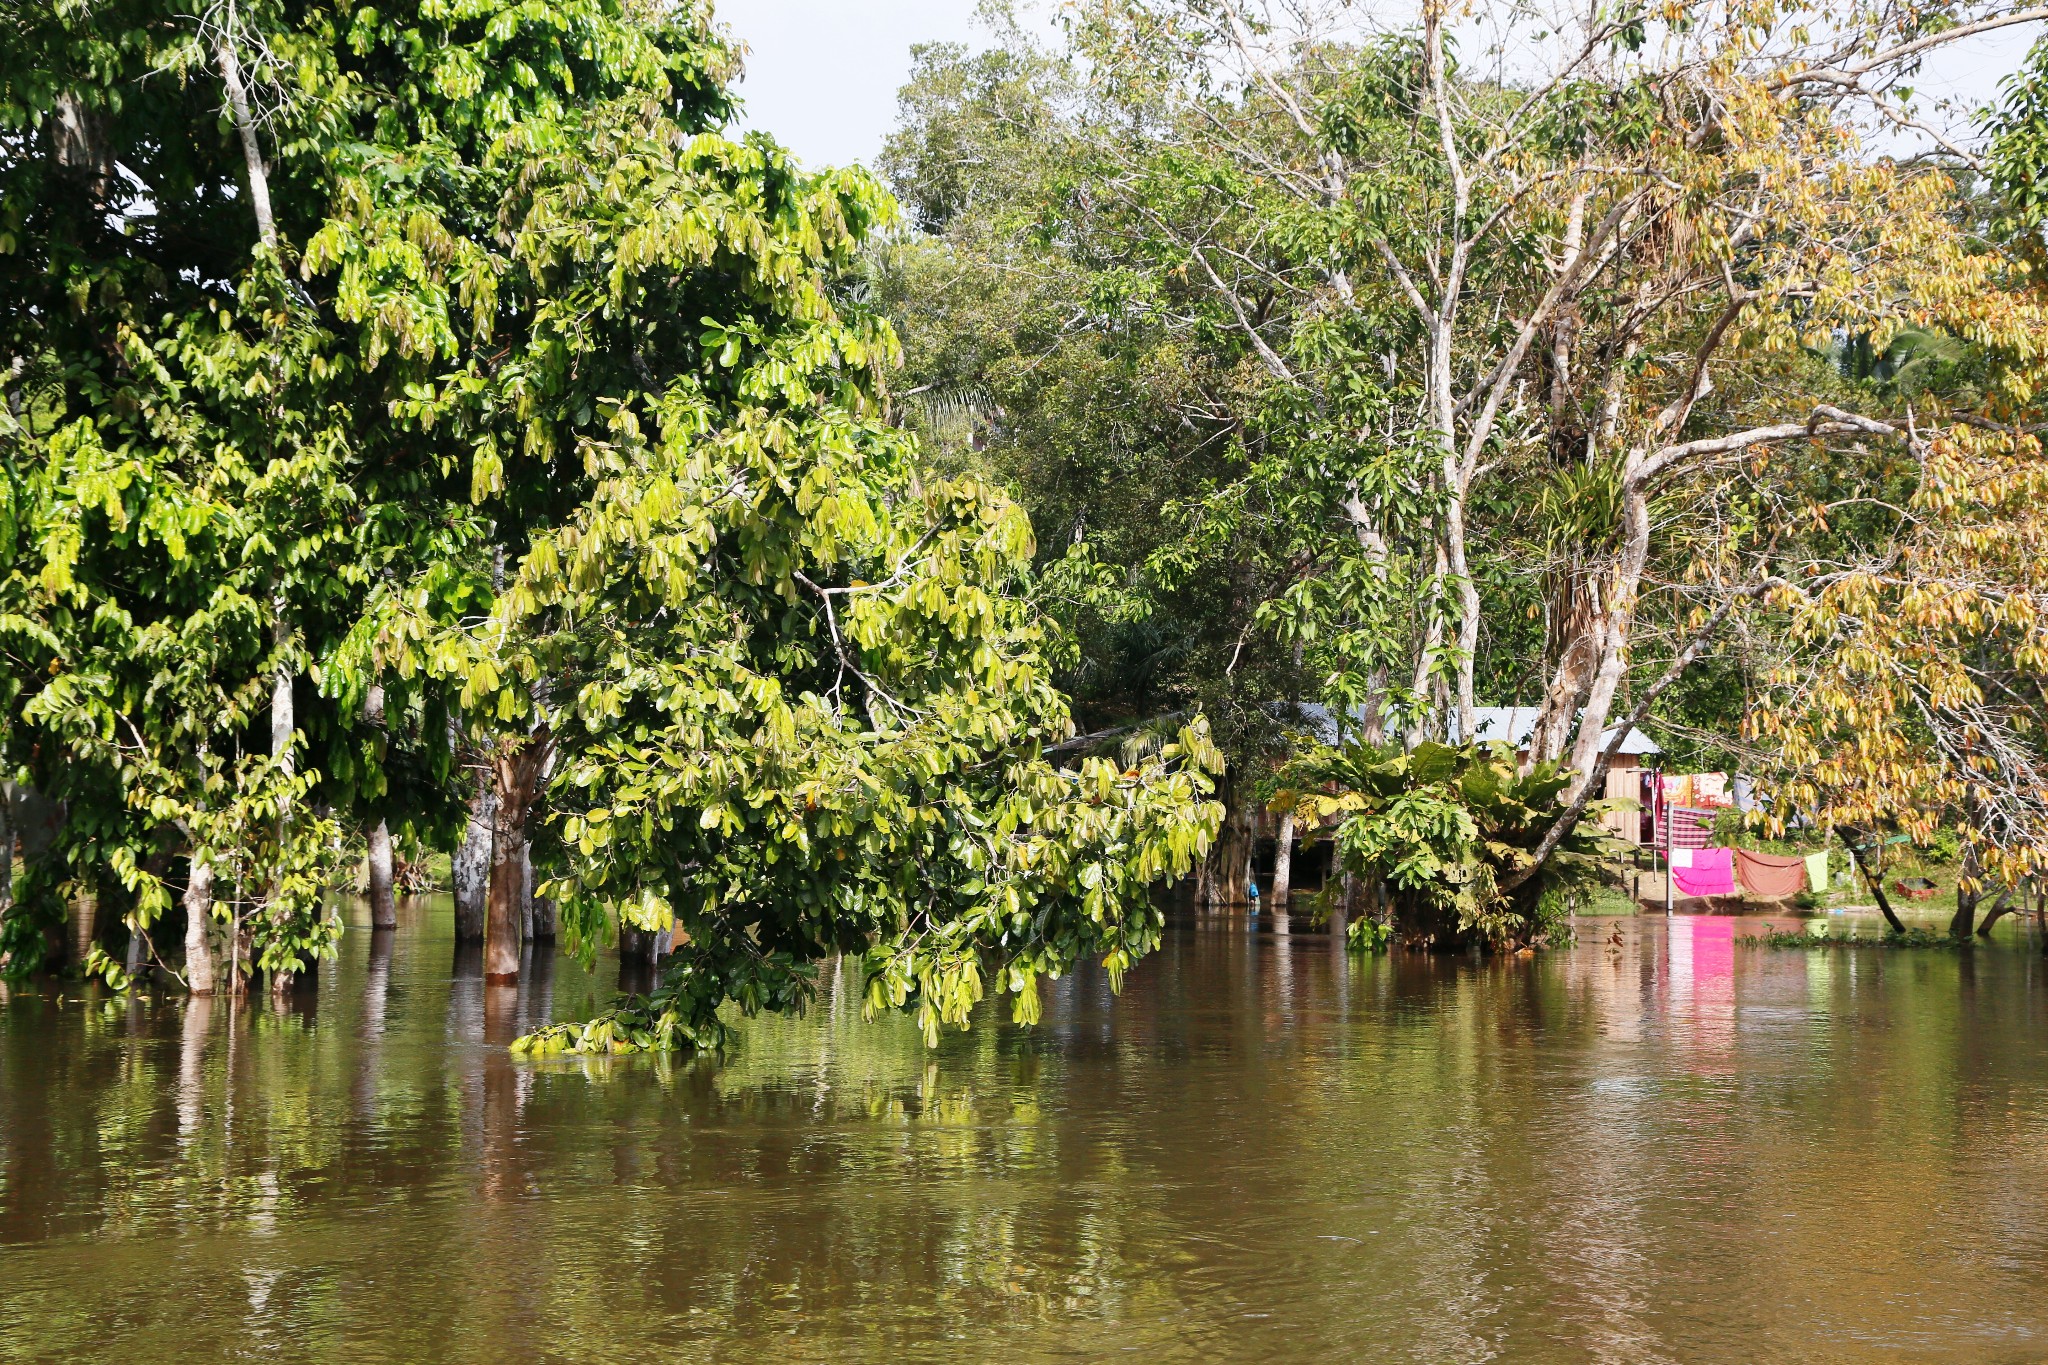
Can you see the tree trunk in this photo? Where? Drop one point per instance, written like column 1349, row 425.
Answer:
column 1574, row 633
column 383, row 900
column 1233, row 857
column 546, row 924
column 84, row 926
column 636, row 959
column 245, row 127
column 1874, row 882
column 2000, row 908
column 1613, row 622
column 472, row 870
column 6, row 846
column 1963, row 922
column 1283, row 863
column 79, row 142
column 202, row 973
column 525, row 892
column 516, row 775
column 283, row 721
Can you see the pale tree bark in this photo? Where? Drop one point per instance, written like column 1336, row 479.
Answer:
column 283, row 723
column 537, row 912
column 1283, row 862
column 245, row 128
column 6, row 846
column 283, row 719
column 545, row 921
column 383, row 900
column 80, row 147
column 472, row 869
column 202, row 971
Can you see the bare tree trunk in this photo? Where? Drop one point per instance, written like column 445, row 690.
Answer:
column 1964, row 922
column 2000, row 908
column 1874, row 881
column 383, row 900
column 283, row 721
column 544, row 920
column 1232, row 855
column 1283, row 863
column 516, row 776
column 636, row 959
column 282, row 718
column 1612, row 632
column 201, row 971
column 83, row 926
column 245, row 127
column 6, row 846
column 472, row 869
column 77, row 138
column 1432, row 642
column 1576, row 647
column 1468, row 617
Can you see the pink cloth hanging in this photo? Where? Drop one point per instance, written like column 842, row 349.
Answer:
column 1712, row 873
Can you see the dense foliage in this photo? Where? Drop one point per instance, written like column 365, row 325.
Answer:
column 428, row 422
column 509, row 299
column 1624, row 379
column 1447, row 839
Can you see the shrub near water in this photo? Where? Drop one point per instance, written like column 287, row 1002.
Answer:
column 1440, row 831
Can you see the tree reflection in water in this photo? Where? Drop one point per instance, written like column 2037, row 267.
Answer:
column 1674, row 1147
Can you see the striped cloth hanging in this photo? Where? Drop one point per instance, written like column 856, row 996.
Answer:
column 1688, row 827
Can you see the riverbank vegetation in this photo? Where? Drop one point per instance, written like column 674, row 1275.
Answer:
column 429, row 429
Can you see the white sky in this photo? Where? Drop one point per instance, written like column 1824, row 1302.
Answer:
column 822, row 75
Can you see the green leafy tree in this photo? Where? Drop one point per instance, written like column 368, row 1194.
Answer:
column 217, row 417
column 789, row 698
column 1519, row 375
column 1447, row 839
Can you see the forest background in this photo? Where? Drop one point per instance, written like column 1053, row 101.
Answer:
column 425, row 426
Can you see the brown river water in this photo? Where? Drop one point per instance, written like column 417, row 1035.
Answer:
column 1677, row 1148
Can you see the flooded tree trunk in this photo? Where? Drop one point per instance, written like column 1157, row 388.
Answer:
column 2000, row 908
column 1283, row 863
column 1963, row 923
column 1231, row 858
column 202, row 972
column 383, row 899
column 283, row 721
column 472, row 870
column 6, row 846
column 515, row 775
column 543, row 922
column 636, row 959
column 83, row 927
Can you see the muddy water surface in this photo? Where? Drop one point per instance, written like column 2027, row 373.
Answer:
column 1673, row 1148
